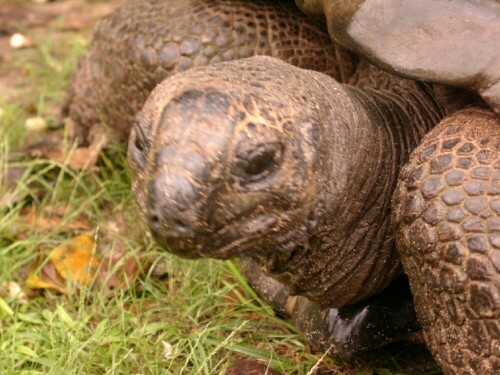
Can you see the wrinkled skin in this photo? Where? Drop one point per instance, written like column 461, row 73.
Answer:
column 447, row 42
column 226, row 167
column 445, row 207
column 146, row 41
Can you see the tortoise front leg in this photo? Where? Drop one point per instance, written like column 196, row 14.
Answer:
column 345, row 332
column 447, row 217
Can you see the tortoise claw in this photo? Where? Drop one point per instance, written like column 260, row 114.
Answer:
column 345, row 332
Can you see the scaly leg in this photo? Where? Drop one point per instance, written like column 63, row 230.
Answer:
column 447, row 217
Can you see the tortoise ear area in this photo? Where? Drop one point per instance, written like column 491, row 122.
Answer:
column 137, row 138
column 308, row 136
column 138, row 146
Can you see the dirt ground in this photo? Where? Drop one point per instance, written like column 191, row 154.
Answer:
column 38, row 21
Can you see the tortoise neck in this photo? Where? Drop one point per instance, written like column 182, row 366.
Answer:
column 349, row 252
column 387, row 125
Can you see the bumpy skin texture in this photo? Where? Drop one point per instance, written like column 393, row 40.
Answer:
column 145, row 41
column 447, row 218
column 447, row 42
column 259, row 158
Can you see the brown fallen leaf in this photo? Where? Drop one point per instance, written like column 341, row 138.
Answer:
column 75, row 21
column 52, row 218
column 75, row 259
column 13, row 15
column 8, row 181
column 52, row 145
column 47, row 278
column 115, row 278
column 247, row 367
column 76, row 159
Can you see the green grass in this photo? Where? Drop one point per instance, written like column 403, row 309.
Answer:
column 201, row 309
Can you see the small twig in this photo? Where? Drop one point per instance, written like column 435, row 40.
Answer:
column 316, row 365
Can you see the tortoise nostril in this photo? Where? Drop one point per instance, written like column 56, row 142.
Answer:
column 170, row 202
column 167, row 225
column 180, row 225
column 138, row 145
column 154, row 219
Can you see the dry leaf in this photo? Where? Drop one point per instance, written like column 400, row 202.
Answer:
column 250, row 367
column 13, row 15
column 47, row 278
column 75, row 158
column 50, row 219
column 78, row 158
column 72, row 261
column 118, row 268
column 8, row 180
column 118, row 277
column 13, row 291
column 75, row 21
column 76, row 261
column 168, row 350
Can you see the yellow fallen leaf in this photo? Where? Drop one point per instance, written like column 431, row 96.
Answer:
column 36, row 282
column 73, row 260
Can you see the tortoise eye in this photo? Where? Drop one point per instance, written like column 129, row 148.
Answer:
column 261, row 161
column 139, row 142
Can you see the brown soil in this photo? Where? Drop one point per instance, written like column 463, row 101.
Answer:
column 36, row 21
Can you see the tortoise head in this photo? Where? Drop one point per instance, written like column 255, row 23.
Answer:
column 223, row 166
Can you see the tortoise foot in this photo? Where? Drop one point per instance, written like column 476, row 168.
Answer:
column 447, row 218
column 346, row 332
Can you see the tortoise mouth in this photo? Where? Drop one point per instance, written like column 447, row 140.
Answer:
column 230, row 241
column 231, row 223
column 238, row 236
column 182, row 247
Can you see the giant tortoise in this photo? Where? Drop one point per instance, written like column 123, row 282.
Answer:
column 295, row 170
